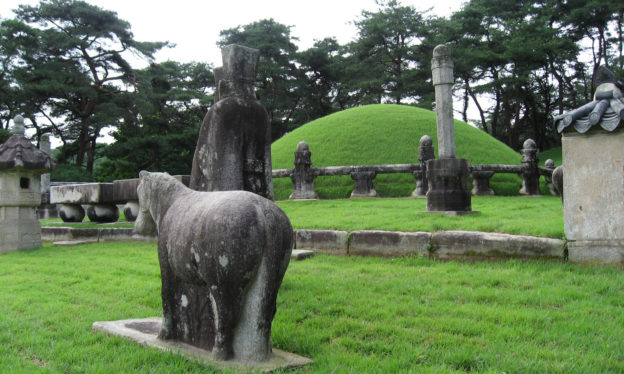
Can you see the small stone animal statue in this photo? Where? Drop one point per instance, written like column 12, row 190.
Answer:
column 222, row 256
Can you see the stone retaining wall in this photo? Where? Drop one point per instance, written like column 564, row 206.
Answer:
column 440, row 244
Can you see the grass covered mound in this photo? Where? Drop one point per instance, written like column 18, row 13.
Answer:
column 384, row 134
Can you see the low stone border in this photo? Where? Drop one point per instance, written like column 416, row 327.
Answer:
column 55, row 234
column 440, row 244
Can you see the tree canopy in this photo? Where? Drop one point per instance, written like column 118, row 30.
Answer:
column 64, row 66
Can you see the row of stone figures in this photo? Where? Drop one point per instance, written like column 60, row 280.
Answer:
column 101, row 201
column 303, row 175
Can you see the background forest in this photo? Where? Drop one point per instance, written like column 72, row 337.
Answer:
column 64, row 66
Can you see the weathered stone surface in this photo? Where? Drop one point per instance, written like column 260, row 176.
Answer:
column 73, row 243
column 597, row 252
column 326, row 241
column 388, row 243
column 21, row 167
column 145, row 331
column 71, row 212
column 102, row 213
column 19, row 153
column 301, row 254
column 223, row 256
column 87, row 193
column 442, row 73
column 481, row 183
column 557, row 180
column 234, row 146
column 131, row 210
column 530, row 171
column 125, row 190
column 593, row 206
column 450, row 244
column 550, row 166
column 52, row 234
column 19, row 229
column 448, row 185
column 302, row 176
column 363, row 184
column 425, row 153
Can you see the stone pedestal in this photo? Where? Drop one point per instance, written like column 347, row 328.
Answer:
column 19, row 228
column 593, row 206
column 448, row 185
column 71, row 212
column 131, row 210
column 102, row 213
column 481, row 183
column 363, row 184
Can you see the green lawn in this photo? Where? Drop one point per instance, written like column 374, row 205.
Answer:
column 536, row 216
column 349, row 314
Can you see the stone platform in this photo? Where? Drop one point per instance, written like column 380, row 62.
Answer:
column 145, row 331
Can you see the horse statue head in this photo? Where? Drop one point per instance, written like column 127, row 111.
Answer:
column 145, row 223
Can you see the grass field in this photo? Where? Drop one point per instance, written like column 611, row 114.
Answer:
column 537, row 216
column 349, row 314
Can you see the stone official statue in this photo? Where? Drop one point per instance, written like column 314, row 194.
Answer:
column 234, row 147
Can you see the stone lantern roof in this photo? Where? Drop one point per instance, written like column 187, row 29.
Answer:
column 19, row 153
column 606, row 110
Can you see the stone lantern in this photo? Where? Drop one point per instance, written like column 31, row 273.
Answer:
column 21, row 167
column 593, row 174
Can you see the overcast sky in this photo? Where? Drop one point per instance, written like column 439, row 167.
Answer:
column 194, row 25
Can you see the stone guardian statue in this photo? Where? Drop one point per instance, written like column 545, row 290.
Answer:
column 234, row 147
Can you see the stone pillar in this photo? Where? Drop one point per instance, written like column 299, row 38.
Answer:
column 44, row 146
column 447, row 176
column 442, row 70
column 363, row 184
column 46, row 210
column 481, row 183
column 550, row 165
column 303, row 177
column 530, row 170
column 425, row 153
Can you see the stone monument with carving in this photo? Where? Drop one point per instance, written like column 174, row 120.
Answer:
column 21, row 167
column 447, row 176
column 234, row 147
column 593, row 174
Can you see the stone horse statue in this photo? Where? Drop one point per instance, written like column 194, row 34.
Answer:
column 222, row 257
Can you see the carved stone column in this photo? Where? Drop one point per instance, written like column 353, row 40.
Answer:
column 530, row 171
column 447, row 176
column 425, row 153
column 303, row 177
